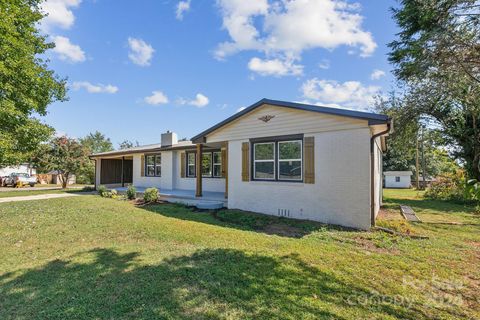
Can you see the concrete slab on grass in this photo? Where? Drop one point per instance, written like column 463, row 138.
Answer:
column 409, row 214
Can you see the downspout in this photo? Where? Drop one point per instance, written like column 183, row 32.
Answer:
column 372, row 170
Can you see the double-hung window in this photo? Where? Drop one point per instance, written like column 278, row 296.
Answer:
column 211, row 163
column 191, row 164
column 217, row 164
column 206, row 164
column 290, row 160
column 278, row 160
column 153, row 165
column 264, row 161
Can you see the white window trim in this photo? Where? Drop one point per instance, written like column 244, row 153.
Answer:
column 216, row 164
column 286, row 160
column 211, row 164
column 154, row 165
column 189, row 165
column 255, row 161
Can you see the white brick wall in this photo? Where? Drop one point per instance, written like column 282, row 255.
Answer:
column 340, row 195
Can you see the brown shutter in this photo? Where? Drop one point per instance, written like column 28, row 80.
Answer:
column 225, row 169
column 142, row 166
column 224, row 158
column 245, row 161
column 183, row 163
column 309, row 161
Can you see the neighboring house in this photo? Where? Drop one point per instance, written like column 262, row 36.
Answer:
column 23, row 168
column 58, row 179
column 278, row 158
column 398, row 179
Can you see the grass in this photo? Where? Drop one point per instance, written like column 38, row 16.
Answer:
column 89, row 257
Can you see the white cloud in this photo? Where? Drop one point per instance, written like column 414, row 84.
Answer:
column 91, row 88
column 324, row 64
column 182, row 7
column 350, row 94
column 140, row 52
column 200, row 101
column 59, row 13
column 275, row 67
column 377, row 74
column 284, row 29
column 241, row 109
column 68, row 51
column 157, row 97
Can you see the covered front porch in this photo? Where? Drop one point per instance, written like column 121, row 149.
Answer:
column 115, row 171
column 209, row 199
column 203, row 171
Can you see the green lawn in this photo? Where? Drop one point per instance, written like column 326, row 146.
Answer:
column 93, row 258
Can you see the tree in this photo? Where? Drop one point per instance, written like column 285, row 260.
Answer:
column 437, row 58
column 64, row 155
column 125, row 144
column 94, row 142
column 27, row 86
column 402, row 143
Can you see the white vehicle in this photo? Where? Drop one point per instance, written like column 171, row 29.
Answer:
column 15, row 179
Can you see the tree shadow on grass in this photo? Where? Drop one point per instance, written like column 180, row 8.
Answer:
column 244, row 220
column 211, row 284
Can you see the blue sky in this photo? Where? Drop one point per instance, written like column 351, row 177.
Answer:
column 138, row 68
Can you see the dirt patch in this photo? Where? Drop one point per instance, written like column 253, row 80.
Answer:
column 139, row 202
column 283, row 230
column 370, row 246
column 389, row 214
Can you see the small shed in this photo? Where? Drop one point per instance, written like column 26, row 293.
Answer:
column 397, row 179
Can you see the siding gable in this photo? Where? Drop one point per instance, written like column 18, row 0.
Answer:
column 285, row 121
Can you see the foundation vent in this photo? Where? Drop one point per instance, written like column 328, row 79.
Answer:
column 283, row 212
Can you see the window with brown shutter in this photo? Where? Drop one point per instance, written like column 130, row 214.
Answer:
column 309, row 164
column 245, row 161
column 142, row 166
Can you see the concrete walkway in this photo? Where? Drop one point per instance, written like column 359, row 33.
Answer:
column 38, row 197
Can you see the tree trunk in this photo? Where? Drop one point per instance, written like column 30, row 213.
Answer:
column 64, row 180
column 417, row 167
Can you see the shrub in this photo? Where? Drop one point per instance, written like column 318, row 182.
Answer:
column 88, row 189
column 113, row 193
column 131, row 192
column 150, row 195
column 102, row 190
column 454, row 187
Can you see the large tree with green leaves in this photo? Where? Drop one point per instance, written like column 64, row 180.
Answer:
column 437, row 57
column 64, row 155
column 412, row 132
column 27, row 85
column 97, row 142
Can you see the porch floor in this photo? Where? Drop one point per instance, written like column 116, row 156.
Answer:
column 185, row 196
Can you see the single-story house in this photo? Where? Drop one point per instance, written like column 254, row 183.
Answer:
column 22, row 168
column 398, row 179
column 274, row 157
